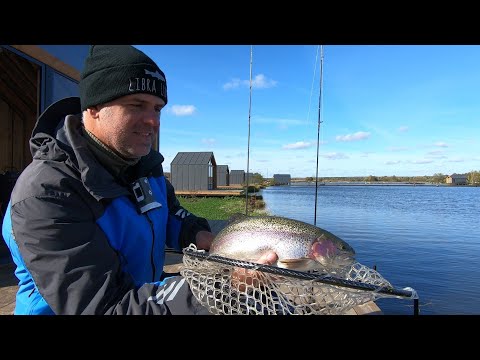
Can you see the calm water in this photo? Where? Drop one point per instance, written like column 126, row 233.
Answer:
column 423, row 237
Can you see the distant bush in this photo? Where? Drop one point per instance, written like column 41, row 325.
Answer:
column 252, row 188
column 221, row 208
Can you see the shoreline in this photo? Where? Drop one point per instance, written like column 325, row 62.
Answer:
column 305, row 183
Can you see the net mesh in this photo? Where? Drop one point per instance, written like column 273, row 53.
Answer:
column 233, row 287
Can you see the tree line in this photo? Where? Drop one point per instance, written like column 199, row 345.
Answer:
column 473, row 178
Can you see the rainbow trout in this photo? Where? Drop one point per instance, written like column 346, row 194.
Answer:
column 299, row 245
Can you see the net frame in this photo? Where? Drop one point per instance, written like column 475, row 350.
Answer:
column 234, row 287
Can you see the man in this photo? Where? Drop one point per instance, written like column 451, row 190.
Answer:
column 90, row 217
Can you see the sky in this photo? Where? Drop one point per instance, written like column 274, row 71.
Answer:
column 383, row 110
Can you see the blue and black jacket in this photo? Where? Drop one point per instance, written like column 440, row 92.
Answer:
column 80, row 244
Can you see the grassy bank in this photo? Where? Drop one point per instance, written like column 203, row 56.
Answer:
column 218, row 208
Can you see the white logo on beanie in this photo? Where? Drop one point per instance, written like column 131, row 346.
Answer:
column 149, row 85
column 142, row 84
column 155, row 74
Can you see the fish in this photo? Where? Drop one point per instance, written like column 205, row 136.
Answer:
column 299, row 245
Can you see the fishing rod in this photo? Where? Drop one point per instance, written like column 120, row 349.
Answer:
column 248, row 147
column 318, row 130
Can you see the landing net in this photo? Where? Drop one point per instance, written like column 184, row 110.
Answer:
column 233, row 287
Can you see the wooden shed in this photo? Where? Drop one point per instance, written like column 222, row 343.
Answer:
column 194, row 171
column 223, row 175
column 282, row 179
column 457, row 179
column 237, row 177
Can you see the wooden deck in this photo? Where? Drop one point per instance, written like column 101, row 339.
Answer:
column 207, row 193
column 173, row 264
column 8, row 288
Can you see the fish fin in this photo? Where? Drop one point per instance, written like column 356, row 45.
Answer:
column 301, row 264
column 236, row 217
column 293, row 261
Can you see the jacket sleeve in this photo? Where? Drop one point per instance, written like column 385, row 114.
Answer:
column 77, row 271
column 183, row 226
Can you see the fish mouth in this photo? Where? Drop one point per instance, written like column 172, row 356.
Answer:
column 337, row 262
column 343, row 260
column 331, row 255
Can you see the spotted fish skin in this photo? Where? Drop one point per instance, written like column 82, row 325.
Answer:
column 299, row 245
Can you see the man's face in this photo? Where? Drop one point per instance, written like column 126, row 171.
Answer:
column 129, row 125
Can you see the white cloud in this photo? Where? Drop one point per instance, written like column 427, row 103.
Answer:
column 298, row 145
column 208, row 141
column 437, row 154
column 403, row 129
column 183, row 110
column 424, row 161
column 441, row 144
column 397, row 148
column 233, row 84
column 260, row 81
column 366, row 153
column 360, row 135
column 392, row 162
column 282, row 123
column 334, row 156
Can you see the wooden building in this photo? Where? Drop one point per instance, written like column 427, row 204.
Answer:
column 237, row 177
column 457, row 179
column 223, row 178
column 194, row 171
column 32, row 77
column 282, row 179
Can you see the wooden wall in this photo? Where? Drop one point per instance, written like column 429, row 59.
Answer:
column 17, row 113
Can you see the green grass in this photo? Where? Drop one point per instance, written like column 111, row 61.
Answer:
column 220, row 208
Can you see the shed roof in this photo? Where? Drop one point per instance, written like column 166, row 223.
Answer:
column 458, row 176
column 193, row 158
column 222, row 168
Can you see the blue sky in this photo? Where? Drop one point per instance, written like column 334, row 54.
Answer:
column 386, row 109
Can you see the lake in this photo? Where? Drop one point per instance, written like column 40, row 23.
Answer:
column 423, row 237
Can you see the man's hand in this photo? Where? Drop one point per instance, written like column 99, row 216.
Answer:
column 204, row 239
column 242, row 277
column 268, row 258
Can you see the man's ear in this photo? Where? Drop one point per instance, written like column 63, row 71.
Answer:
column 93, row 111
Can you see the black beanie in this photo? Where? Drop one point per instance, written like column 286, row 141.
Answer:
column 112, row 71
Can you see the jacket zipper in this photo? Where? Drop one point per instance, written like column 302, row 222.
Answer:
column 153, row 247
